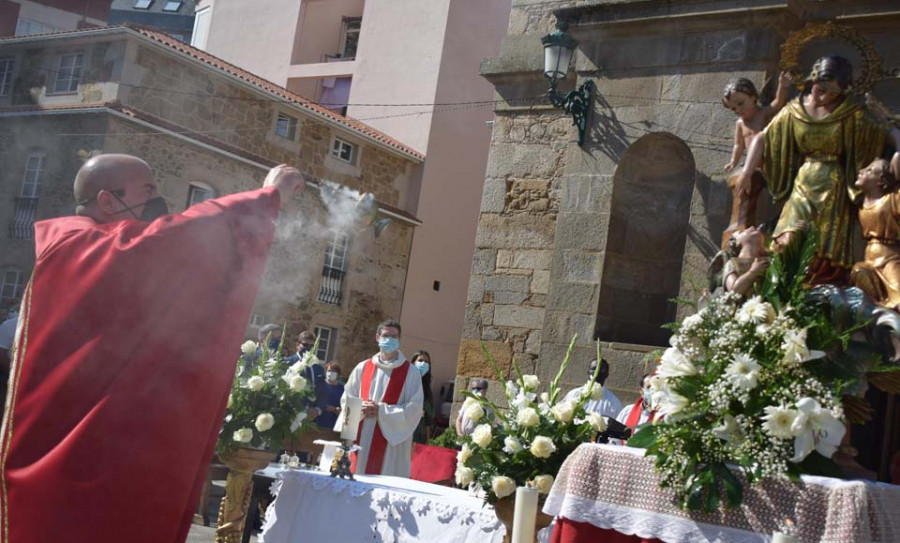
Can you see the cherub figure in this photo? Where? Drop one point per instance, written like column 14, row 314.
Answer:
column 749, row 266
column 741, row 97
column 879, row 216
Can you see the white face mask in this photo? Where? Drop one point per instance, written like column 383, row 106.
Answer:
column 331, row 376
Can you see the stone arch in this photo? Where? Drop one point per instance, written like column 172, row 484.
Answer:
column 648, row 226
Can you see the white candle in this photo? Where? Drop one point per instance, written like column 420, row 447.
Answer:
column 779, row 537
column 525, row 515
column 352, row 415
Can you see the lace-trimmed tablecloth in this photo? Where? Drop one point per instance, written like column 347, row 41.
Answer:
column 312, row 507
column 616, row 488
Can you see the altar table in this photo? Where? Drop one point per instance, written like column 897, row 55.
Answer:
column 616, row 488
column 311, row 507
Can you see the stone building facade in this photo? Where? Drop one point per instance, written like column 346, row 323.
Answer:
column 208, row 129
column 596, row 240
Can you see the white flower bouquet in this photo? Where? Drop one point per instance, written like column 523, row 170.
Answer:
column 528, row 442
column 744, row 389
column 268, row 400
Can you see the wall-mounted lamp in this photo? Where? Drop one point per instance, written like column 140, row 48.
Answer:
column 558, row 49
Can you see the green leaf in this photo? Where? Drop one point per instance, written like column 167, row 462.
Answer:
column 816, row 464
column 490, row 359
column 554, row 386
column 734, row 491
column 644, row 438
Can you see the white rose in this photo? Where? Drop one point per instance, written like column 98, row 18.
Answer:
column 474, row 412
column 468, row 402
column 464, row 454
column 545, row 397
column 244, row 435
column 249, row 348
column 255, row 383
column 297, row 368
column 482, row 435
column 531, row 382
column 264, row 421
column 511, row 389
column 598, row 421
column 297, row 383
column 511, row 445
column 503, row 486
column 528, row 417
column 563, row 411
column 542, row 447
column 464, row 476
column 543, row 483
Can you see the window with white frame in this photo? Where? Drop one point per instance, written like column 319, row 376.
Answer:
column 68, row 76
column 257, row 320
column 13, row 284
column 172, row 5
column 327, row 337
column 344, row 151
column 142, row 4
column 34, row 171
column 336, row 252
column 6, row 75
column 350, row 37
column 202, row 18
column 286, row 126
column 199, row 193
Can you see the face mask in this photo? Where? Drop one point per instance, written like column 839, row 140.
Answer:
column 388, row 344
column 153, row 208
column 478, row 392
column 423, row 367
column 273, row 344
column 304, row 348
column 645, row 396
column 331, row 376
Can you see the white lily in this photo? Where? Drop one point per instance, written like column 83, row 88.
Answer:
column 815, row 428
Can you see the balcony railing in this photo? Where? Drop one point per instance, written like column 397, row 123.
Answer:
column 331, row 291
column 22, row 224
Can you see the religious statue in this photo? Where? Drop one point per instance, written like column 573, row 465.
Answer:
column 809, row 155
column 750, row 263
column 879, row 216
column 741, row 97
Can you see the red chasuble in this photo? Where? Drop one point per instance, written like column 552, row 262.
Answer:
column 375, row 461
column 130, row 333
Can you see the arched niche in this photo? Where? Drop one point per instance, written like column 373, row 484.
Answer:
column 648, row 227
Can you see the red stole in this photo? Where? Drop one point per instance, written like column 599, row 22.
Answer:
column 391, row 396
column 634, row 416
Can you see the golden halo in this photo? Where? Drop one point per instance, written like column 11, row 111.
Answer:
column 792, row 47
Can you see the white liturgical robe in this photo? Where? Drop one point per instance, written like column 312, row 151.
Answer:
column 397, row 422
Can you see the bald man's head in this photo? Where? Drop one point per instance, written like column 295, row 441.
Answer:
column 109, row 185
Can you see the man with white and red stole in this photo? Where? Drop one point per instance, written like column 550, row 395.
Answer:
column 640, row 412
column 391, row 393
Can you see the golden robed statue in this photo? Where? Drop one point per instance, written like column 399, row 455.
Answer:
column 810, row 154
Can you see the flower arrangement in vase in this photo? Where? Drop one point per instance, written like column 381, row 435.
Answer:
column 269, row 399
column 526, row 443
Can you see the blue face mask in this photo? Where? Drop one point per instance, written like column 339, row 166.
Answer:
column 273, row 344
column 423, row 367
column 388, row 344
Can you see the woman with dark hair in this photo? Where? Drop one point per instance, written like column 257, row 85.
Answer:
column 810, row 154
column 421, row 360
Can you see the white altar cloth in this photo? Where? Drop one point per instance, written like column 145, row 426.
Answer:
column 311, row 507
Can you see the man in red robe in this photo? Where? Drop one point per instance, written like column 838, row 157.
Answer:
column 126, row 351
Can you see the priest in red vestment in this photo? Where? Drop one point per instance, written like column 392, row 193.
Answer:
column 126, row 350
